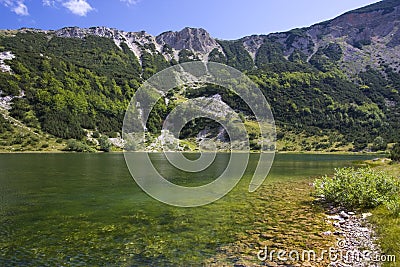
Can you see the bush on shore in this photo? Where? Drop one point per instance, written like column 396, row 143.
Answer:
column 361, row 188
column 77, row 146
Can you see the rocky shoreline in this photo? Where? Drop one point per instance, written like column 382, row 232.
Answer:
column 356, row 239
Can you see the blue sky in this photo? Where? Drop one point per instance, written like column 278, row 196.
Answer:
column 224, row 19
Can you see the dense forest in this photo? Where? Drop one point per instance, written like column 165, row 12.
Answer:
column 67, row 87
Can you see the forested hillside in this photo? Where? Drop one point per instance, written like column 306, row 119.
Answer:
column 76, row 83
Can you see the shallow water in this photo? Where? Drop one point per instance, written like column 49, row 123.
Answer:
column 85, row 210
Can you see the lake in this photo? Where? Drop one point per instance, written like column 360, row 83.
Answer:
column 86, row 209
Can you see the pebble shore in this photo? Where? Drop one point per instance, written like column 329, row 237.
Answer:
column 356, row 239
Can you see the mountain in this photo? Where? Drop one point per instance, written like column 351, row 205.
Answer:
column 333, row 85
column 366, row 36
column 168, row 44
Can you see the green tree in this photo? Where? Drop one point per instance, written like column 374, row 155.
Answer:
column 395, row 152
column 105, row 144
column 379, row 144
column 360, row 144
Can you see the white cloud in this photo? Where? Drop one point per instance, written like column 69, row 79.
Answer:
column 21, row 9
column 130, row 2
column 7, row 3
column 78, row 7
column 49, row 3
column 16, row 6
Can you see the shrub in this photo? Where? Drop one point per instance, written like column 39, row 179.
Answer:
column 379, row 144
column 395, row 152
column 360, row 189
column 112, row 134
column 77, row 146
column 322, row 146
column 18, row 140
column 96, row 134
column 105, row 144
column 45, row 145
column 4, row 124
column 360, row 144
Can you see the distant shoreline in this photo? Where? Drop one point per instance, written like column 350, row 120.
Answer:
column 378, row 154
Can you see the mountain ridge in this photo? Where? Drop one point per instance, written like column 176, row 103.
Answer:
column 357, row 32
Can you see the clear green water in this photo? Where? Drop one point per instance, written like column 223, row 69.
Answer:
column 86, row 210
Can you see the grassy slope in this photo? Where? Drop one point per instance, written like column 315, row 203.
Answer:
column 20, row 138
column 387, row 226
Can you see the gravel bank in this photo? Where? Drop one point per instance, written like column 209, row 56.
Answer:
column 356, row 239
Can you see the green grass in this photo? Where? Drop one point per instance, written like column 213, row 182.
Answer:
column 303, row 142
column 387, row 225
column 19, row 139
column 388, row 229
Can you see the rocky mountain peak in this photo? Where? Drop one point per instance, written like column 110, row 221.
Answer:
column 196, row 39
column 76, row 32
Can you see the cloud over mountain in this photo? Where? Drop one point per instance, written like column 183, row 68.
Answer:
column 78, row 7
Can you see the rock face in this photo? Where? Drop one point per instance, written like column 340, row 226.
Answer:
column 198, row 40
column 136, row 41
column 76, row 32
column 5, row 56
column 366, row 36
